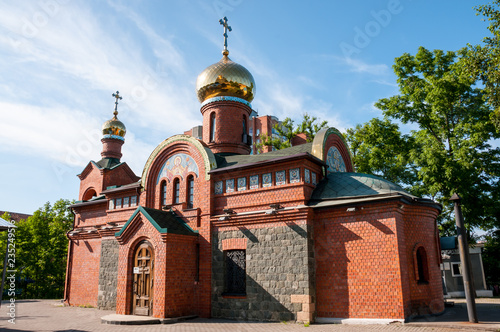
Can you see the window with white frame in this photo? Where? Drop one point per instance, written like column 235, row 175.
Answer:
column 456, row 269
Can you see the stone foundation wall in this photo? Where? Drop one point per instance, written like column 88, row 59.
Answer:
column 279, row 269
column 108, row 274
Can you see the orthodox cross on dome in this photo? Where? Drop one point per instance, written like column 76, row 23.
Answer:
column 223, row 22
column 117, row 96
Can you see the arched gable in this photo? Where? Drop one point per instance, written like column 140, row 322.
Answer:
column 330, row 146
column 207, row 155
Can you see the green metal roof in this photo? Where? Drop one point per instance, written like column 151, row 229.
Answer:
column 163, row 221
column 341, row 185
column 107, row 163
column 448, row 242
column 224, row 161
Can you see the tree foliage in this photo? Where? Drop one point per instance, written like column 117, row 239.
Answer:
column 491, row 258
column 483, row 61
column 286, row 131
column 379, row 148
column 41, row 251
column 449, row 151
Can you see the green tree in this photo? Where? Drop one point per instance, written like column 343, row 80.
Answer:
column 41, row 250
column 491, row 254
column 310, row 127
column 483, row 61
column 451, row 151
column 285, row 132
column 379, row 148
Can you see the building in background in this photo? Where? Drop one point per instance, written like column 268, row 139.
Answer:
column 451, row 268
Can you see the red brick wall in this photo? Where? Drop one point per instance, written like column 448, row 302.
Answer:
column 92, row 180
column 358, row 272
column 181, row 288
column 84, row 272
column 289, row 194
column 140, row 229
column 264, row 125
column 174, row 270
column 299, row 139
column 365, row 266
column 111, row 148
column 228, row 127
column 420, row 230
column 197, row 218
column 99, row 180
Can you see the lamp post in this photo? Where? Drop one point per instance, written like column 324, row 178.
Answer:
column 465, row 260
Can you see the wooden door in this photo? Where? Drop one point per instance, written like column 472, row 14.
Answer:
column 143, row 280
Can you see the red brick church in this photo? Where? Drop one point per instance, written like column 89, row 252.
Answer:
column 212, row 229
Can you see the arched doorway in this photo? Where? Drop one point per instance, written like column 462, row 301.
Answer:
column 143, row 280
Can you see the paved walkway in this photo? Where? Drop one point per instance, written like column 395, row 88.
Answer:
column 49, row 315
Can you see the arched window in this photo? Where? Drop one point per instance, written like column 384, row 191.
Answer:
column 244, row 137
column 422, row 268
column 212, row 127
column 176, row 191
column 163, row 193
column 190, row 198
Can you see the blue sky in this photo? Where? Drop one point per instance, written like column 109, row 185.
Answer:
column 62, row 60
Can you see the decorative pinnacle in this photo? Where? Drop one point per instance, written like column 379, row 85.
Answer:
column 223, row 22
column 117, row 96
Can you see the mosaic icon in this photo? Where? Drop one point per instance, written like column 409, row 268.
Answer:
column 267, row 180
column 280, row 178
column 254, row 182
column 295, row 175
column 335, row 161
column 230, row 186
column 242, row 184
column 218, row 187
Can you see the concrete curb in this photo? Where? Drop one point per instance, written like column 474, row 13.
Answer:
column 116, row 319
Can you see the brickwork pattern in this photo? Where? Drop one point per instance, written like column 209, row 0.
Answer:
column 197, row 218
column 84, row 272
column 358, row 271
column 139, row 230
column 420, row 229
column 181, row 289
column 100, row 179
column 365, row 266
column 289, row 194
column 108, row 274
column 229, row 126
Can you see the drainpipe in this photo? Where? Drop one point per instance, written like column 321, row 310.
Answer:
column 69, row 260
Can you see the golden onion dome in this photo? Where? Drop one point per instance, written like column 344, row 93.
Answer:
column 114, row 127
column 225, row 78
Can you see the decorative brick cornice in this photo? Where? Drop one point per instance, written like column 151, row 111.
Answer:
column 86, row 171
column 226, row 98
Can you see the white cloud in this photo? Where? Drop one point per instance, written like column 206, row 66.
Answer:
column 65, row 135
column 357, row 66
column 77, row 54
